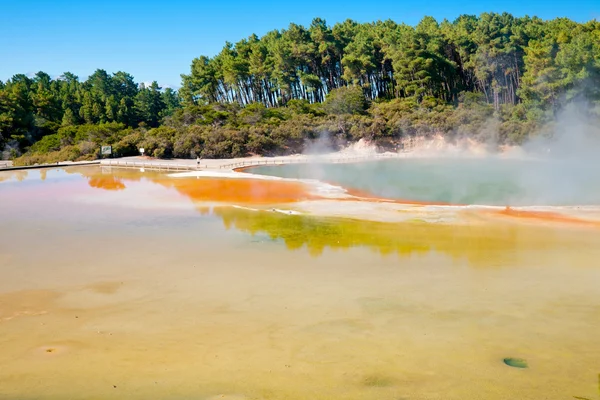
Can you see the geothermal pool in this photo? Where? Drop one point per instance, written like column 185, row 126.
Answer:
column 117, row 283
column 476, row 180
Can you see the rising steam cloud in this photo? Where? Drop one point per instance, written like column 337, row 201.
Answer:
column 558, row 167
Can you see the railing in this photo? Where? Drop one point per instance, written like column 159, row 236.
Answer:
column 170, row 166
column 306, row 160
column 151, row 165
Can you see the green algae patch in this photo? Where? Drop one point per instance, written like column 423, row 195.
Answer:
column 516, row 362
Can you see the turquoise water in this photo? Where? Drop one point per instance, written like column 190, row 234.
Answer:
column 490, row 181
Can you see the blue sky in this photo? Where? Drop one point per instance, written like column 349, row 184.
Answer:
column 157, row 40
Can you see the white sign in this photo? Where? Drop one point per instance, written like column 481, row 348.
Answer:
column 106, row 150
column 142, row 151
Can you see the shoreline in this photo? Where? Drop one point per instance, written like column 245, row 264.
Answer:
column 55, row 165
column 360, row 151
column 333, row 200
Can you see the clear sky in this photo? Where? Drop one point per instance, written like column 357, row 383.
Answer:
column 157, row 40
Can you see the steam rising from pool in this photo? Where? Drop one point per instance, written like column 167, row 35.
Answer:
column 560, row 167
column 489, row 181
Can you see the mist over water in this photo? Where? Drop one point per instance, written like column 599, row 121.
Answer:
column 559, row 167
column 489, row 181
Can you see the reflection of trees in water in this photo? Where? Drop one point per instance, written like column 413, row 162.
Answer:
column 479, row 245
column 246, row 191
column 107, row 183
column 249, row 191
column 19, row 175
column 106, row 179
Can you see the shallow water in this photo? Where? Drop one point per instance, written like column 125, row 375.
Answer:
column 121, row 284
column 490, row 181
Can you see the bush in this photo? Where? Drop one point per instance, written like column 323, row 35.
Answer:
column 88, row 149
column 228, row 130
column 346, row 100
column 128, row 145
column 260, row 142
column 46, row 144
column 189, row 143
column 101, row 134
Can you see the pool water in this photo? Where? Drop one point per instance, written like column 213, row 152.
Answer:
column 484, row 181
column 125, row 284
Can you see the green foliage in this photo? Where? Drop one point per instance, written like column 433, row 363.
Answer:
column 32, row 108
column 255, row 113
column 493, row 77
column 301, row 106
column 46, row 144
column 345, row 100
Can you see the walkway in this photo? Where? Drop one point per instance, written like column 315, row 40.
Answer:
column 226, row 164
column 229, row 164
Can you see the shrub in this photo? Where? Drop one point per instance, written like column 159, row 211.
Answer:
column 46, row 144
column 345, row 100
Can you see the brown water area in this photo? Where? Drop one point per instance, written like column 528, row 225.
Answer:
column 120, row 284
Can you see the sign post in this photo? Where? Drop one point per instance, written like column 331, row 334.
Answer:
column 142, row 151
column 106, row 150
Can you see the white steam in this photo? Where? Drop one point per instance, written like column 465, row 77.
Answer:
column 560, row 166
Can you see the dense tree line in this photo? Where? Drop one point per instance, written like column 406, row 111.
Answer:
column 495, row 76
column 34, row 107
column 509, row 60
